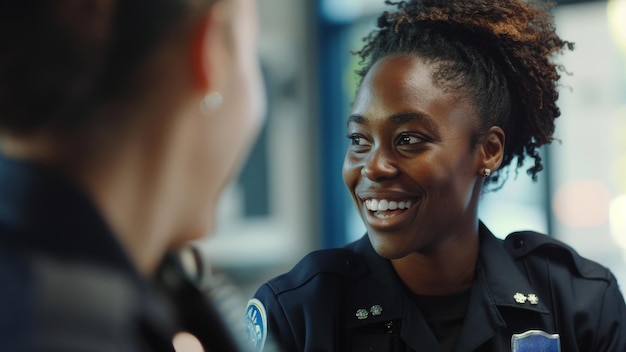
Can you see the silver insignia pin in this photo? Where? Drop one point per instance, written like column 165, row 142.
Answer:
column 361, row 314
column 533, row 299
column 376, row 310
column 520, row 298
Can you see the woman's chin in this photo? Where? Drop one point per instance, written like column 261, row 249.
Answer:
column 386, row 247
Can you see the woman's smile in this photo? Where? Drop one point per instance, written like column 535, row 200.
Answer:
column 388, row 215
column 384, row 206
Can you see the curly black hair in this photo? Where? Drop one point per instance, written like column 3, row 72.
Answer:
column 63, row 59
column 498, row 52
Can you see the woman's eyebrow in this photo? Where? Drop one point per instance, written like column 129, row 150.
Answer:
column 355, row 118
column 399, row 119
column 405, row 117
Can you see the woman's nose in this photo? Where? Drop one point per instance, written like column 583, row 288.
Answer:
column 379, row 166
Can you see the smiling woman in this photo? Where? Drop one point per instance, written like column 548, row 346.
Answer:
column 451, row 93
column 414, row 143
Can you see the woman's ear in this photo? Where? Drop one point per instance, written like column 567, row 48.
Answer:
column 209, row 48
column 492, row 145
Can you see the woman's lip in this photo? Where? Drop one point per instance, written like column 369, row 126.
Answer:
column 384, row 194
column 389, row 196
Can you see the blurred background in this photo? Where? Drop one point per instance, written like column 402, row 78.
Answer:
column 291, row 199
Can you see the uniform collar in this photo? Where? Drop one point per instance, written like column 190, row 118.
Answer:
column 497, row 282
column 42, row 211
column 382, row 287
column 506, row 283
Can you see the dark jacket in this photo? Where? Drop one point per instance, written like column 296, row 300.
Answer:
column 527, row 282
column 68, row 285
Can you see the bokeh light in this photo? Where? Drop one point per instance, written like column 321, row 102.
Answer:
column 582, row 203
column 616, row 13
column 186, row 342
column 617, row 220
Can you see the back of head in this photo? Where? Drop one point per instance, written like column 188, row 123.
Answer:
column 63, row 60
column 496, row 52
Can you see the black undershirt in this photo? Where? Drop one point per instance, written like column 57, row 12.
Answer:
column 445, row 315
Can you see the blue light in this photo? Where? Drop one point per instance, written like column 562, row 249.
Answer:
column 341, row 11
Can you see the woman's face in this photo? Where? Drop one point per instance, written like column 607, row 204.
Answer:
column 222, row 140
column 410, row 167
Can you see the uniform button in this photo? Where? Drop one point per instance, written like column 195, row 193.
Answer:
column 352, row 262
column 518, row 243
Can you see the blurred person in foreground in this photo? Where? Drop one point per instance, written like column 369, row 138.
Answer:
column 120, row 123
column 451, row 95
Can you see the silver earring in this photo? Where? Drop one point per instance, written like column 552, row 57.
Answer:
column 210, row 103
column 486, row 172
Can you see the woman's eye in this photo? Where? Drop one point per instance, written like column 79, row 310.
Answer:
column 356, row 140
column 408, row 139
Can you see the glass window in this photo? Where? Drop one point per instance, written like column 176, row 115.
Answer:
column 588, row 165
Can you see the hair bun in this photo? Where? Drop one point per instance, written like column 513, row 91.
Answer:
column 499, row 52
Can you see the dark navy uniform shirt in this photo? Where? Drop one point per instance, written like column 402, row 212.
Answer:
column 351, row 299
column 67, row 284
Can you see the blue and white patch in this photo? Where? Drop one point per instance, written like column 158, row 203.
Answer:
column 255, row 324
column 535, row 341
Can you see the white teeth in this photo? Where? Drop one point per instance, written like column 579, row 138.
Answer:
column 383, row 204
column 383, row 215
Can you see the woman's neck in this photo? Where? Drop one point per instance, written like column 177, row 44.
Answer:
column 448, row 269
column 123, row 186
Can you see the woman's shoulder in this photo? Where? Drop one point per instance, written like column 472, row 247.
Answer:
column 534, row 247
column 334, row 263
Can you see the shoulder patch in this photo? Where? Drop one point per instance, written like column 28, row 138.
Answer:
column 255, row 325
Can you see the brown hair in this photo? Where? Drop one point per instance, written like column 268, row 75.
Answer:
column 61, row 60
column 498, row 52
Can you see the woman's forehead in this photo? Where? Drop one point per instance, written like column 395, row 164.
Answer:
column 404, row 85
column 405, row 73
column 399, row 80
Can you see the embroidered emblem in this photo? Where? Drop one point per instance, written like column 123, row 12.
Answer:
column 535, row 340
column 376, row 310
column 520, row 298
column 533, row 299
column 255, row 325
column 361, row 314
